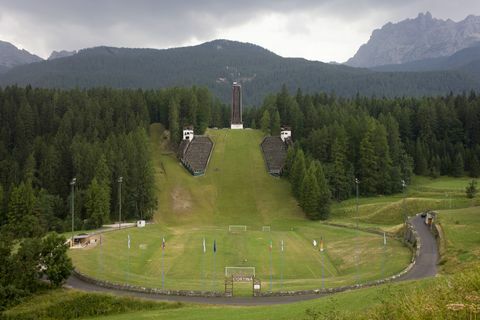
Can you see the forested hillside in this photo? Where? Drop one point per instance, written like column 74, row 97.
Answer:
column 50, row 136
column 218, row 63
column 380, row 141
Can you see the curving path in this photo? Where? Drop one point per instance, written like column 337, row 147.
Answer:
column 425, row 266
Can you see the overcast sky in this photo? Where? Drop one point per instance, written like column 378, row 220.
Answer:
column 325, row 30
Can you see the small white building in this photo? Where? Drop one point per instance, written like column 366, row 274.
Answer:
column 285, row 133
column 188, row 133
column 140, row 223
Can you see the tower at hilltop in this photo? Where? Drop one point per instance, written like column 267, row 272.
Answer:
column 236, row 120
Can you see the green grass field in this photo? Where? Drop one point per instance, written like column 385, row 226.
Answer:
column 235, row 190
column 421, row 195
column 461, row 229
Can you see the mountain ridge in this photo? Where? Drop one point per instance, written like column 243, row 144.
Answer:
column 216, row 64
column 11, row 56
column 415, row 39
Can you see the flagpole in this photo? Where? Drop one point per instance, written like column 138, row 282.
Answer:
column 384, row 254
column 213, row 271
column 128, row 257
column 203, row 267
column 281, row 268
column 163, row 268
column 271, row 266
column 323, row 263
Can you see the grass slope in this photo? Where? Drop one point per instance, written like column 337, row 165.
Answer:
column 235, row 190
column 461, row 229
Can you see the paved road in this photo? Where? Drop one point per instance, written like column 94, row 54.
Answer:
column 425, row 266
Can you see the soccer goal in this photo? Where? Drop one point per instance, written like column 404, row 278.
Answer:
column 266, row 228
column 240, row 272
column 237, row 228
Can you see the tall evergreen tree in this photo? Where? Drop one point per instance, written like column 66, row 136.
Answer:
column 97, row 204
column 173, row 120
column 297, row 173
column 265, row 122
column 368, row 164
column 275, row 126
column 458, row 166
column 323, row 205
column 310, row 193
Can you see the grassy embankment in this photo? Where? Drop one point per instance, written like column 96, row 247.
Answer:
column 235, row 190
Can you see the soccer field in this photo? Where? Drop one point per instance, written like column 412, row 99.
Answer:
column 236, row 190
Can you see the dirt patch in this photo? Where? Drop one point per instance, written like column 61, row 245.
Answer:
column 181, row 200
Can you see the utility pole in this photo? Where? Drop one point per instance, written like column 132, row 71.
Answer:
column 72, row 184
column 120, row 180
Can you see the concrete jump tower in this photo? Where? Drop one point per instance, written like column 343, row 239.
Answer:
column 236, row 119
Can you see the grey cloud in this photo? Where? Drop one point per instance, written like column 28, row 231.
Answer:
column 63, row 24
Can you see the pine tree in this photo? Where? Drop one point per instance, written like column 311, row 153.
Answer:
column 458, row 166
column 97, row 204
column 384, row 162
column 368, row 170
column 275, row 126
column 323, row 206
column 265, row 122
column 471, row 189
column 173, row 120
column 287, row 168
column 421, row 164
column 310, row 194
column 474, row 167
column 298, row 173
column 338, row 179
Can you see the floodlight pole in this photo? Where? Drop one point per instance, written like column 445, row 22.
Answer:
column 120, row 180
column 72, row 184
column 404, row 185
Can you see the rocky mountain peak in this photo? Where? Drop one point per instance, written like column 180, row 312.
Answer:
column 11, row 56
column 415, row 39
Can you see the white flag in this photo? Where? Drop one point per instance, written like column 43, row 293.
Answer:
column 282, row 245
column 384, row 239
column 314, row 243
column 204, row 246
column 128, row 241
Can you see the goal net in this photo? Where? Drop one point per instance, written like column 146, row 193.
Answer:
column 266, row 228
column 240, row 271
column 237, row 228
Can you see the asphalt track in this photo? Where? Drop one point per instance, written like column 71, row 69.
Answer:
column 425, row 266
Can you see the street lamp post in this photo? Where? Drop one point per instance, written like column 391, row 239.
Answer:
column 72, row 184
column 357, row 254
column 404, row 185
column 356, row 186
column 120, row 180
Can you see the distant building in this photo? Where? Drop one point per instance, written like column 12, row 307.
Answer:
column 194, row 151
column 285, row 133
column 188, row 133
column 236, row 119
column 275, row 151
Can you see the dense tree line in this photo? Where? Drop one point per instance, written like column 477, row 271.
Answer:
column 380, row 141
column 47, row 137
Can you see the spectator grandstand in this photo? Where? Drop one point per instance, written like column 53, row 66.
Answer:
column 195, row 154
column 275, row 152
